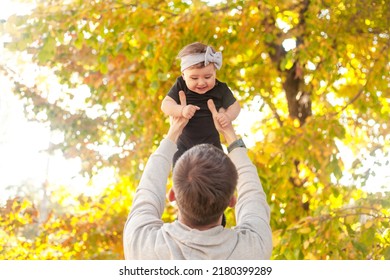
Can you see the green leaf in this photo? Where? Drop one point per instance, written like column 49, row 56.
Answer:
column 48, row 50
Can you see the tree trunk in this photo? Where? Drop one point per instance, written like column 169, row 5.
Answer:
column 299, row 102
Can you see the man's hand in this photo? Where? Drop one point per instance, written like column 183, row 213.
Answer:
column 227, row 131
column 188, row 111
column 177, row 123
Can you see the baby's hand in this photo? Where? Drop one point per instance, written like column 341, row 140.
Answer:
column 223, row 119
column 188, row 111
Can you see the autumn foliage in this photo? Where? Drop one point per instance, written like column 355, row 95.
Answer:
column 328, row 89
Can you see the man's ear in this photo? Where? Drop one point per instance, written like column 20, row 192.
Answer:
column 171, row 195
column 233, row 201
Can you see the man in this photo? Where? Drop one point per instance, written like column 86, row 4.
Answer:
column 204, row 181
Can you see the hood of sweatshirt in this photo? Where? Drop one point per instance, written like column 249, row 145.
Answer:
column 184, row 242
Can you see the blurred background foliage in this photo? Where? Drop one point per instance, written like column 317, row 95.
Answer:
column 312, row 77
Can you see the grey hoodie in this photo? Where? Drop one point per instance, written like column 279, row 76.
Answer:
column 147, row 237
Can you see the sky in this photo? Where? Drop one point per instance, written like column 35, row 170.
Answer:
column 23, row 160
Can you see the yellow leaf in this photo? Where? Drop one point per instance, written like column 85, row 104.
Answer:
column 368, row 224
column 85, row 236
column 304, row 230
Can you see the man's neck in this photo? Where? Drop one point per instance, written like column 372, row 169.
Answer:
column 200, row 228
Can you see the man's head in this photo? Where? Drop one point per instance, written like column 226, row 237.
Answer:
column 204, row 181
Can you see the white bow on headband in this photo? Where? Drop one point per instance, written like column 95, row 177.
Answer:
column 208, row 57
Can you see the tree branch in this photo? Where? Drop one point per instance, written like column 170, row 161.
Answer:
column 361, row 91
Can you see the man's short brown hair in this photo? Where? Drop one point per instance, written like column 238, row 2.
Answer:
column 204, row 181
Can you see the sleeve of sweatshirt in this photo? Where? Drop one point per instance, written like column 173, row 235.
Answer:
column 149, row 201
column 252, row 210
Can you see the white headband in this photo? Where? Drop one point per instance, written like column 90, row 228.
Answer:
column 208, row 57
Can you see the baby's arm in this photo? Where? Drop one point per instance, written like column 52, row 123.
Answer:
column 171, row 108
column 231, row 113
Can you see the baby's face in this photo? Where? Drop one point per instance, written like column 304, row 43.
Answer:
column 200, row 80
